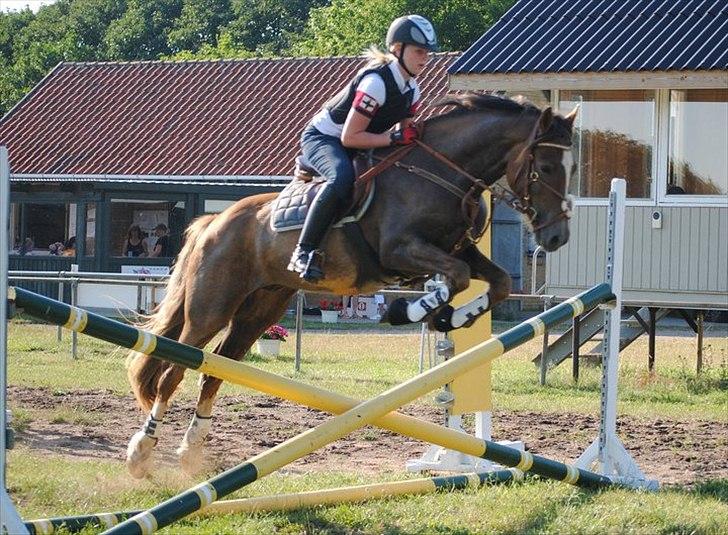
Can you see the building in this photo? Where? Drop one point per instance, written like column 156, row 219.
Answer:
column 98, row 147
column 651, row 80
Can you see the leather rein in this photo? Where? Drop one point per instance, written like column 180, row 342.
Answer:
column 470, row 199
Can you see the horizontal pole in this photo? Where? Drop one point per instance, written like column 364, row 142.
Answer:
column 298, row 500
column 224, row 368
column 299, row 392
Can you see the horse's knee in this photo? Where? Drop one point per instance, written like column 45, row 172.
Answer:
column 459, row 278
column 500, row 288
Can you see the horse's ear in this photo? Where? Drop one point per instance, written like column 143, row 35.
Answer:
column 571, row 117
column 544, row 122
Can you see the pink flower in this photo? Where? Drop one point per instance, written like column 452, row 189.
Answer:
column 275, row 332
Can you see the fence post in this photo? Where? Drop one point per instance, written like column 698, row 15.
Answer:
column 299, row 329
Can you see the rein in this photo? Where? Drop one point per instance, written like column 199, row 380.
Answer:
column 521, row 202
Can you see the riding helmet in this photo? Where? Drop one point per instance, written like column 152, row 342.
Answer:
column 413, row 30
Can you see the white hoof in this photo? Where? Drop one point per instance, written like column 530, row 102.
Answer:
column 190, row 458
column 139, row 459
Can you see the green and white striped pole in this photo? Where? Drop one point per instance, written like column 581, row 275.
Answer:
column 298, row 392
column 298, row 500
column 365, row 413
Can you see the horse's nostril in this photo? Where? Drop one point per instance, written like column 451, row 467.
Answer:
column 554, row 242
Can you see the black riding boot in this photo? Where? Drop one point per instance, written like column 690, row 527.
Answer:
column 307, row 258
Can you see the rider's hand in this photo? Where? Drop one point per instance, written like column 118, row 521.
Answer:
column 404, row 136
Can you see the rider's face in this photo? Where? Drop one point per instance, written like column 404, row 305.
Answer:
column 416, row 58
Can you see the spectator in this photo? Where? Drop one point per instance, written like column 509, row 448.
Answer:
column 27, row 247
column 135, row 245
column 161, row 248
column 69, row 248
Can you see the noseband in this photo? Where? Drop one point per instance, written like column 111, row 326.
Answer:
column 519, row 201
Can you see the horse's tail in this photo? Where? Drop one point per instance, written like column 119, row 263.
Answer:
column 167, row 320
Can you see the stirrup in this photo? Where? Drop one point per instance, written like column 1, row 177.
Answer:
column 308, row 264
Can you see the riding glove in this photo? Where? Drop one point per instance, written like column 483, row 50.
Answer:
column 404, row 136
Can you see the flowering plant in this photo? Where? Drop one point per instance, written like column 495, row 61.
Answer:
column 330, row 305
column 275, row 332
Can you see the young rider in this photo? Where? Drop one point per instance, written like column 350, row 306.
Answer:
column 383, row 94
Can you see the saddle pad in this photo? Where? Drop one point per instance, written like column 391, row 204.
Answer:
column 290, row 208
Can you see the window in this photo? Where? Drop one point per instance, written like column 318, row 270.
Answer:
column 215, row 206
column 614, row 136
column 90, row 229
column 698, row 142
column 43, row 229
column 137, row 226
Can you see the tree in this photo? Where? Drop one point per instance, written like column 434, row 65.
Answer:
column 11, row 24
column 267, row 26
column 346, row 27
column 141, row 32
column 199, row 24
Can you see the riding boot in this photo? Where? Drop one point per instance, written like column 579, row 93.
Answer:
column 307, row 258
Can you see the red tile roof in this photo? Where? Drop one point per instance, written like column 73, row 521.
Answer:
column 193, row 118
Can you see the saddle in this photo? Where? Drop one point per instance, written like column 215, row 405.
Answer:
column 290, row 208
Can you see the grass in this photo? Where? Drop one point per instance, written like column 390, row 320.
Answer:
column 362, row 363
column 536, row 507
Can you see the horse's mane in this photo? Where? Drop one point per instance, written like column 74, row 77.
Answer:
column 468, row 102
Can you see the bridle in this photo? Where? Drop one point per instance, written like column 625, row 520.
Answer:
column 520, row 170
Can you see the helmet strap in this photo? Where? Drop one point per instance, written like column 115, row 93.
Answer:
column 400, row 60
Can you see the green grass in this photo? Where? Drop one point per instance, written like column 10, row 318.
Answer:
column 363, row 363
column 533, row 507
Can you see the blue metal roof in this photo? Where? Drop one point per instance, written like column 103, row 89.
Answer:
column 542, row 36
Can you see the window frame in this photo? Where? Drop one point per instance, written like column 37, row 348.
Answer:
column 660, row 156
column 663, row 199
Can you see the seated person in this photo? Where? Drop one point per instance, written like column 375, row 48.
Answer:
column 135, row 245
column 161, row 248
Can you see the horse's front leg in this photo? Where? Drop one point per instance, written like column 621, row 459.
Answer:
column 418, row 257
column 482, row 268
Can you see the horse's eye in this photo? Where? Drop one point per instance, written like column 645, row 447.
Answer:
column 546, row 168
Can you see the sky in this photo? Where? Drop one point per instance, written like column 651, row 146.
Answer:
column 15, row 5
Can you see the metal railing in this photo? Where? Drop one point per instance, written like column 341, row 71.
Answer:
column 142, row 280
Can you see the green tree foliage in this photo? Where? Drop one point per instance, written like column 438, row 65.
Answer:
column 141, row 32
column 268, row 26
column 199, row 24
column 32, row 44
column 349, row 26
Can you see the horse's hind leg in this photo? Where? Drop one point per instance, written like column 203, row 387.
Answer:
column 139, row 457
column 259, row 310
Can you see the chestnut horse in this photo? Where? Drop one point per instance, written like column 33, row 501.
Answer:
column 231, row 273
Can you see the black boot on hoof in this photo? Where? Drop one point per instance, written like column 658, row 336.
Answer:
column 397, row 312
column 443, row 319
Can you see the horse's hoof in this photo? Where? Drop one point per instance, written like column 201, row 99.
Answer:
column 397, row 312
column 443, row 319
column 139, row 459
column 190, row 458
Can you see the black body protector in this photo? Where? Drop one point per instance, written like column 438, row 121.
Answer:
column 397, row 105
column 307, row 259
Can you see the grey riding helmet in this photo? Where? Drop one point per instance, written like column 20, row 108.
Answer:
column 412, row 30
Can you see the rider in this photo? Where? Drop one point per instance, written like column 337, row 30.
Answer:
column 381, row 95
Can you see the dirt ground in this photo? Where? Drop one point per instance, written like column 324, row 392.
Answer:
column 674, row 452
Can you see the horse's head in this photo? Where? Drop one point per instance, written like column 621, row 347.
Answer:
column 538, row 173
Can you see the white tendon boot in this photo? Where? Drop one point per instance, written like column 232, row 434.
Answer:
column 190, row 450
column 139, row 459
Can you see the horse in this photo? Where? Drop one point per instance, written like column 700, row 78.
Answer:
column 425, row 217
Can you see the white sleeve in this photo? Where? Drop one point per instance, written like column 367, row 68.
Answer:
column 417, row 95
column 373, row 85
